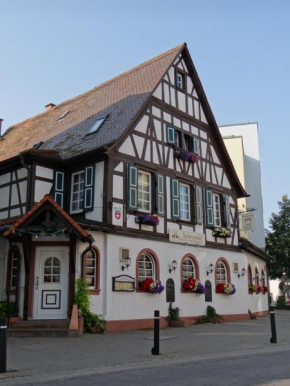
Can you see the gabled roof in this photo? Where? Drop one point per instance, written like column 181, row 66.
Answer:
column 66, row 218
column 137, row 84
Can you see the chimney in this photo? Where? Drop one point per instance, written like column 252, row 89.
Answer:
column 49, row 106
column 1, row 120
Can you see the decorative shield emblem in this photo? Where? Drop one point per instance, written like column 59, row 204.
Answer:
column 118, row 214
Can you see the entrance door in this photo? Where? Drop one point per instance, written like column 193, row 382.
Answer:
column 51, row 283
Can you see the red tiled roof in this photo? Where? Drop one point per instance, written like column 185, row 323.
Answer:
column 63, row 213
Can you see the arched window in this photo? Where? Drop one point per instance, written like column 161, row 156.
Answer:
column 257, row 276
column 91, row 269
column 189, row 268
column 13, row 273
column 263, row 278
column 250, row 278
column 147, row 266
column 222, row 272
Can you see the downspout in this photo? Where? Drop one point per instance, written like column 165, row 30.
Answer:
column 105, row 278
column 29, row 184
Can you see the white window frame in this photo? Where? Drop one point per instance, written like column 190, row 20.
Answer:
column 180, row 202
column 186, row 274
column 142, row 266
column 94, row 267
column 140, row 208
column 15, row 268
column 221, row 270
column 180, row 80
column 217, row 210
column 79, row 191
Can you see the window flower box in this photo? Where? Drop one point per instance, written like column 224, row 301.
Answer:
column 186, row 155
column 225, row 288
column 221, row 232
column 193, row 285
column 265, row 289
column 252, row 288
column 146, row 219
column 259, row 289
column 152, row 286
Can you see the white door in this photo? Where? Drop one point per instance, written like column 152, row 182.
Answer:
column 51, row 283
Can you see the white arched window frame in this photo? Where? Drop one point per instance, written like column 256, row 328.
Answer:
column 146, row 267
column 221, row 273
column 257, row 276
column 188, row 269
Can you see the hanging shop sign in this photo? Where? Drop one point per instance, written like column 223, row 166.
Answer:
column 186, row 237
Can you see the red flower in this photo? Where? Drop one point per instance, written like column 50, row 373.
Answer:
column 145, row 285
column 220, row 288
column 189, row 284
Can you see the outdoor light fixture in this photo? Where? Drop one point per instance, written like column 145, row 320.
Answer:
column 210, row 269
column 243, row 272
column 127, row 263
column 173, row 266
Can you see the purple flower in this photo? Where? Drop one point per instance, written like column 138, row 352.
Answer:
column 200, row 289
column 148, row 219
column 156, row 287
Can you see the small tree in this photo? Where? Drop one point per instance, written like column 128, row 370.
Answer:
column 278, row 241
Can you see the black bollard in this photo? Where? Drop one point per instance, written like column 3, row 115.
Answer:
column 273, row 325
column 3, row 345
column 155, row 349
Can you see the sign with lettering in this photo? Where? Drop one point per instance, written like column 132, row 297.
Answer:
column 186, row 237
column 124, row 283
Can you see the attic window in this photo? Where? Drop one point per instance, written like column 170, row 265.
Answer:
column 180, row 80
column 63, row 115
column 97, row 125
column 37, row 145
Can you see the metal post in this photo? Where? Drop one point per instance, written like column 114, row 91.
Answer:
column 3, row 345
column 155, row 349
column 273, row 325
column 8, row 305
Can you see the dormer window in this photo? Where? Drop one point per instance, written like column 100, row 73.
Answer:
column 180, row 82
column 97, row 125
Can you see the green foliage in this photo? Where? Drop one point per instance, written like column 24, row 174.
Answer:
column 281, row 303
column 173, row 313
column 202, row 319
column 92, row 323
column 278, row 240
column 4, row 309
column 210, row 312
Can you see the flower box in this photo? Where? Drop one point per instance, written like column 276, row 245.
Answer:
column 149, row 285
column 259, row 289
column 265, row 289
column 193, row 285
column 252, row 288
column 221, row 232
column 147, row 219
column 186, row 155
column 225, row 288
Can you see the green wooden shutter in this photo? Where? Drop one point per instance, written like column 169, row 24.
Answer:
column 208, row 198
column 132, row 187
column 160, row 181
column 227, row 216
column 58, row 187
column 170, row 135
column 89, row 188
column 197, row 205
column 196, row 146
column 175, row 198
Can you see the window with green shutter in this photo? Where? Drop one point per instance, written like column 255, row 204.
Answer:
column 160, row 180
column 132, row 187
column 175, row 212
column 89, row 186
column 197, row 205
column 58, row 187
column 170, row 135
column 208, row 195
column 196, row 148
column 227, row 216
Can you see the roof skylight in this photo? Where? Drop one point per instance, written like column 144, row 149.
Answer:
column 63, row 115
column 37, row 145
column 97, row 125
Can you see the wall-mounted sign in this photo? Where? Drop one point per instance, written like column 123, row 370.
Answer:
column 123, row 283
column 248, row 222
column 117, row 214
column 186, row 237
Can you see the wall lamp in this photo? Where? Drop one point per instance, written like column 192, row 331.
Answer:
column 173, row 266
column 127, row 263
column 243, row 272
column 210, row 269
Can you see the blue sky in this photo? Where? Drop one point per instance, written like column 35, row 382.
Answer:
column 54, row 50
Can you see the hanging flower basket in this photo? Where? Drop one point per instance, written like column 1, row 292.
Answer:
column 252, row 288
column 154, row 287
column 193, row 285
column 186, row 155
column 221, row 232
column 146, row 219
column 225, row 288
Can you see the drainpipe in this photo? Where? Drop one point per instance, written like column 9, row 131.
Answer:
column 29, row 183
column 105, row 276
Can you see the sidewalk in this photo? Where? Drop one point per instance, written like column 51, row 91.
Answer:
column 56, row 358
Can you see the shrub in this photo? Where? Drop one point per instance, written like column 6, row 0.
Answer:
column 173, row 313
column 4, row 309
column 202, row 319
column 281, row 302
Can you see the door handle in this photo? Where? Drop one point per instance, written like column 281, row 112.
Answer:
column 37, row 282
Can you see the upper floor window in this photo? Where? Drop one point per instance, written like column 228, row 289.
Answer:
column 97, row 125
column 214, row 213
column 180, row 80
column 77, row 192
column 184, row 202
column 144, row 191
column 217, row 210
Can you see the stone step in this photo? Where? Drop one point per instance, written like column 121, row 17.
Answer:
column 43, row 333
column 40, row 324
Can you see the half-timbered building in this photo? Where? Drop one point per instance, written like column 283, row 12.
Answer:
column 127, row 182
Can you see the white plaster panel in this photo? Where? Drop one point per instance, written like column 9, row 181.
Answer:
column 236, row 239
column 185, row 66
column 117, row 214
column 214, row 155
column 155, row 154
column 176, row 122
column 178, row 169
column 142, row 124
column 231, row 201
column 158, row 92
column 189, row 84
column 180, row 66
column 195, row 94
column 4, row 197
column 160, row 226
column 167, row 118
column 156, row 112
column 166, row 77
column 148, row 152
column 181, row 101
column 14, row 195
column 3, row 215
column 22, row 173
column 171, row 75
column 161, row 153
column 203, row 134
column 226, row 183
column 131, row 222
column 173, row 99
column 214, row 180
column 23, row 190
column 203, row 118
column 13, row 175
column 44, row 172
column 196, row 109
column 157, row 125
column 166, row 93
column 187, row 228
column 190, row 108
column 139, row 141
column 118, row 187
column 219, row 172
column 194, row 130
column 185, row 126
column 148, row 228
column 15, row 212
column 5, row 178
column 196, row 174
column 97, row 213
column 127, row 147
column 207, row 174
column 172, row 225
column 170, row 163
column 209, row 236
column 203, row 149
column 41, row 189
column 119, row 167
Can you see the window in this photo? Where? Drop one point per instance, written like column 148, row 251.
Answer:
column 256, row 276
column 263, row 278
column 51, row 270
column 184, row 202
column 180, row 83
column 188, row 269
column 216, row 210
column 187, row 142
column 221, row 273
column 250, row 279
column 146, row 268
column 144, row 191
column 77, row 194
column 198, row 204
column 196, row 147
column 91, row 269
column 178, row 142
column 97, row 125
column 14, row 270
column 63, row 115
